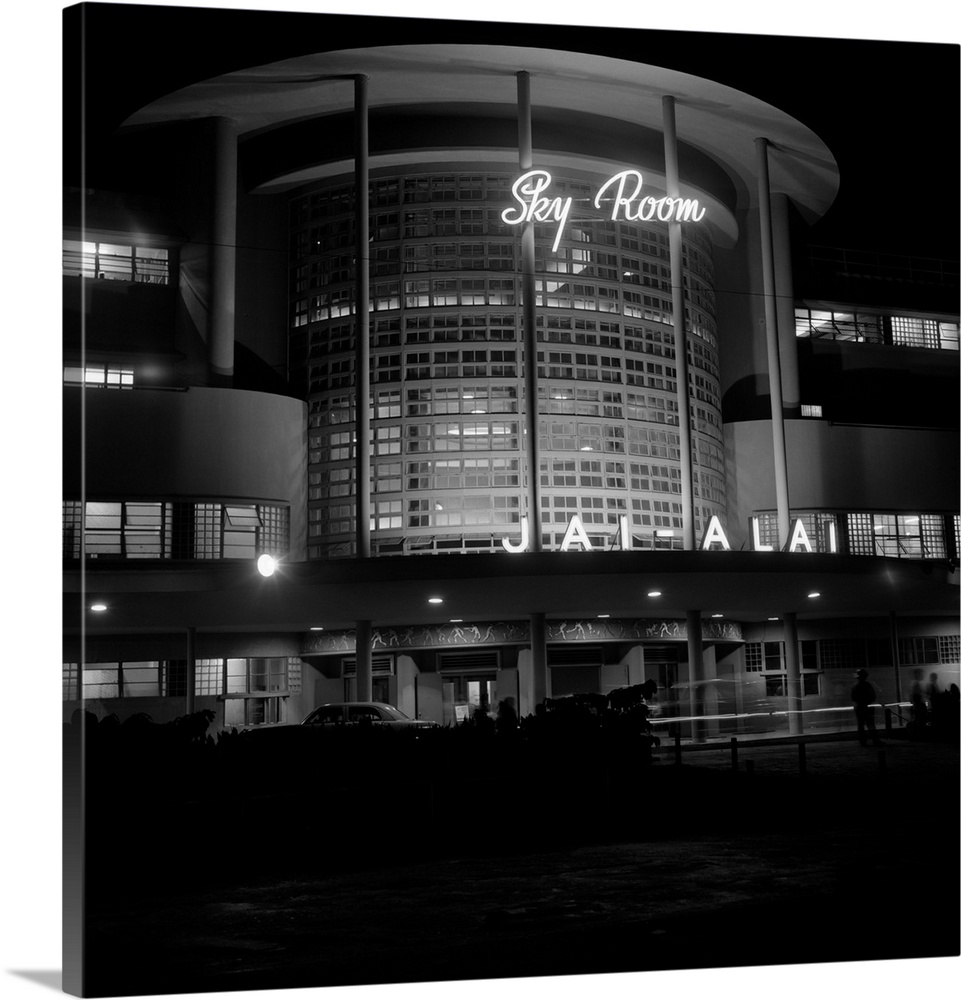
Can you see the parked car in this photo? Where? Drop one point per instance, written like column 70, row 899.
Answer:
column 355, row 713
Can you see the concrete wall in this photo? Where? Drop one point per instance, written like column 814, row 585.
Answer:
column 840, row 467
column 197, row 444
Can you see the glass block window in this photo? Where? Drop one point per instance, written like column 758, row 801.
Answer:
column 71, row 677
column 949, row 648
column 440, row 324
column 208, row 677
column 913, row 332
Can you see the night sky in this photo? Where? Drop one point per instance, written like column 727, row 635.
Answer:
column 888, row 110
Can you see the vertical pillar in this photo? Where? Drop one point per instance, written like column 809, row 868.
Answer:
column 784, row 283
column 538, row 626
column 695, row 670
column 680, row 333
column 191, row 681
column 771, row 335
column 223, row 253
column 896, row 657
column 525, row 145
column 792, row 661
column 361, row 322
column 364, row 661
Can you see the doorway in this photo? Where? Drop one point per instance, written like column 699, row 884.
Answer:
column 465, row 694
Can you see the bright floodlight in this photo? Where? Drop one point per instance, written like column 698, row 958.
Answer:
column 266, row 565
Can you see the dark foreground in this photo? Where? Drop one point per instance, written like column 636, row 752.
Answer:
column 684, row 866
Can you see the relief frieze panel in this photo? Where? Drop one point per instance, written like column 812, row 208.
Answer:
column 502, row 633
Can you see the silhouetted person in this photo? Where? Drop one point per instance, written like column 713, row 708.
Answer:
column 863, row 696
column 506, row 717
column 481, row 720
column 937, row 703
column 919, row 705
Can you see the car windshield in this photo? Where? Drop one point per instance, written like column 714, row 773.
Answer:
column 393, row 713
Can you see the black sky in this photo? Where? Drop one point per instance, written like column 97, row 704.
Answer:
column 888, row 110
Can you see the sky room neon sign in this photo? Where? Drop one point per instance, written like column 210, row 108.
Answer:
column 622, row 191
column 712, row 539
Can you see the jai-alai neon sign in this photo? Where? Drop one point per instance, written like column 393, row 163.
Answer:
column 713, row 537
column 533, row 204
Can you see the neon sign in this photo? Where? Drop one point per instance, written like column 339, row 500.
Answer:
column 534, row 205
column 713, row 536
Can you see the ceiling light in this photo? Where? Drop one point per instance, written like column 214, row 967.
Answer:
column 435, row 600
column 603, row 616
column 717, row 616
column 653, row 593
column 814, row 593
column 98, row 607
column 266, row 565
column 316, row 628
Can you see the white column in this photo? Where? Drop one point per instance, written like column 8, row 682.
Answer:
column 361, row 322
column 525, row 146
column 695, row 671
column 364, row 661
column 680, row 333
column 793, row 663
column 223, row 253
column 771, row 336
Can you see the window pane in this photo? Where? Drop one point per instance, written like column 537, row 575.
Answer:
column 236, row 676
column 141, row 680
column 101, row 681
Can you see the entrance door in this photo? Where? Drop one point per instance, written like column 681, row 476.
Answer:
column 464, row 694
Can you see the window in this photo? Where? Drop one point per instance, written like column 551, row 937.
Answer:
column 175, row 530
column 871, row 328
column 102, row 376
column 116, row 261
column 256, row 688
column 919, row 650
column 129, row 679
column 898, row 536
column 767, row 659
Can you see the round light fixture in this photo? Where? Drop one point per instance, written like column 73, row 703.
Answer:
column 814, row 593
column 653, row 593
column 266, row 565
column 435, row 600
column 98, row 607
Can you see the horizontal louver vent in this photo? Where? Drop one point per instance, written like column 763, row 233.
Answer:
column 379, row 665
column 574, row 655
column 468, row 661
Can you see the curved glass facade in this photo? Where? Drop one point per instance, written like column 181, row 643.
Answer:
column 447, row 391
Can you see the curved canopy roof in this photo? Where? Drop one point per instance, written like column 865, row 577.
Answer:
column 717, row 121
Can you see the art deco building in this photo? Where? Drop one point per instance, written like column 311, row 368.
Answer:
column 465, row 386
